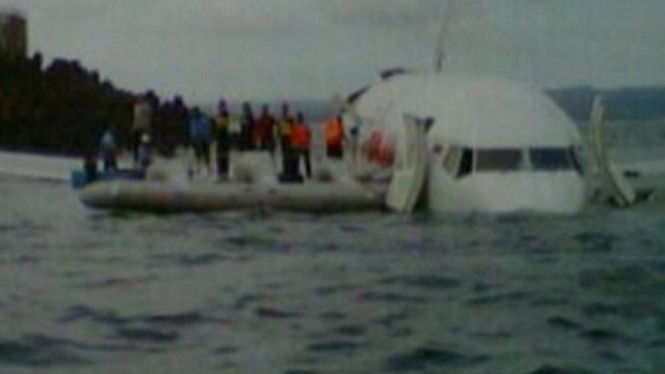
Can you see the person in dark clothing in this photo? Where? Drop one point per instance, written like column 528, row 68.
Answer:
column 247, row 125
column 284, row 130
column 90, row 166
column 222, row 123
column 265, row 131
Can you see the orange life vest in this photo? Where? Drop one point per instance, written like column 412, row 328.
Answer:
column 378, row 151
column 300, row 136
column 284, row 126
column 334, row 131
column 222, row 123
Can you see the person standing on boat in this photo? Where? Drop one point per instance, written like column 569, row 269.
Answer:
column 284, row 130
column 222, row 124
column 334, row 136
column 90, row 166
column 141, row 124
column 234, row 133
column 265, row 131
column 247, row 125
column 108, row 149
column 300, row 142
column 144, row 153
column 200, row 134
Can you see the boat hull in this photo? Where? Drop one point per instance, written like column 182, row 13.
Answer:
column 162, row 197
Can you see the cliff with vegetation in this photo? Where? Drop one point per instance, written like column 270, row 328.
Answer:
column 61, row 108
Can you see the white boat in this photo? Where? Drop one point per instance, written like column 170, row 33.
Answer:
column 211, row 197
column 253, row 185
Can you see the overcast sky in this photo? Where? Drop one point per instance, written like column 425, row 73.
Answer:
column 275, row 49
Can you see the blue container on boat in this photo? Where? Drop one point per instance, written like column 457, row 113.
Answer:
column 78, row 179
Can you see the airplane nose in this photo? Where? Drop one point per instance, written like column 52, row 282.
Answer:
column 547, row 192
column 557, row 192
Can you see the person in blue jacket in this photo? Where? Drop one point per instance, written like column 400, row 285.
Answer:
column 108, row 149
column 200, row 134
column 144, row 153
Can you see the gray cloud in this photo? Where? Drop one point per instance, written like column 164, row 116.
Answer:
column 315, row 48
column 385, row 13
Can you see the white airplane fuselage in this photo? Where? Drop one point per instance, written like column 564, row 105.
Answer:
column 493, row 147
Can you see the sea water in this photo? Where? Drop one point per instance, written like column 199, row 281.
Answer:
column 83, row 291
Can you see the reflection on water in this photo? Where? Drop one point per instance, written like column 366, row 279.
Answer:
column 266, row 292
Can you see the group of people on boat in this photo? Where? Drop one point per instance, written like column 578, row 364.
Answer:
column 108, row 148
column 262, row 133
column 291, row 135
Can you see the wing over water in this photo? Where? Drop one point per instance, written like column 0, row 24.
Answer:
column 53, row 168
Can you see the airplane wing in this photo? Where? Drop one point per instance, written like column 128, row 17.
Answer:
column 613, row 185
column 647, row 177
column 622, row 180
column 51, row 168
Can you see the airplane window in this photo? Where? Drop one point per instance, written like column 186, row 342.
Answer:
column 466, row 164
column 499, row 159
column 452, row 159
column 550, row 159
column 576, row 162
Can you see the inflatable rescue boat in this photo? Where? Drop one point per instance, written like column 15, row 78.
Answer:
column 164, row 197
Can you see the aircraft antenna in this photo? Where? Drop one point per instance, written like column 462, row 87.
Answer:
column 440, row 56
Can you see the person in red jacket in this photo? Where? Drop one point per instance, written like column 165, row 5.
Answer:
column 300, row 142
column 334, row 136
column 265, row 131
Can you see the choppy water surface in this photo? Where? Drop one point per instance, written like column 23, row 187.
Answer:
column 266, row 292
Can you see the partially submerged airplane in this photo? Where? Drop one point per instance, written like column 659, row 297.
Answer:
column 461, row 143
column 486, row 145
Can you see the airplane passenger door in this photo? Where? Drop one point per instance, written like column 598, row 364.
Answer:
column 408, row 179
